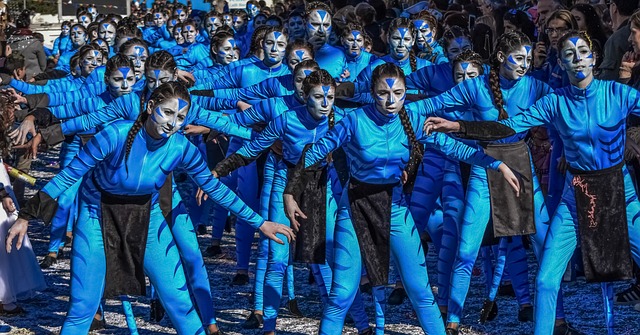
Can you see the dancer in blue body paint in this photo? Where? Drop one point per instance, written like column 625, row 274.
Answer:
column 352, row 41
column 78, row 38
column 507, row 86
column 310, row 115
column 62, row 43
column 240, row 24
column 590, row 118
column 114, row 181
column 188, row 53
column 212, row 21
column 318, row 27
column 107, row 32
column 426, row 41
column 374, row 208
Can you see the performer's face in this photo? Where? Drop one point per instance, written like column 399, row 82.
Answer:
column 298, row 79
column 177, row 35
column 65, row 30
column 102, row 44
column 84, row 20
column 456, row 46
column 78, row 37
column 353, row 43
column 464, row 70
column 181, row 14
column 226, row 19
column 389, row 93
column 516, row 64
column 577, row 58
column 138, row 55
column 157, row 77
column 297, row 56
column 225, row 52
column 295, row 25
column 319, row 27
column 91, row 60
column 274, row 46
column 239, row 23
column 189, row 33
column 166, row 117
column 425, row 34
column 158, row 19
column 212, row 24
column 107, row 32
column 121, row 81
column 320, row 101
column 400, row 42
column 259, row 21
column 253, row 10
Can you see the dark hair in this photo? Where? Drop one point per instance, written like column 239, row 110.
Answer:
column 165, row 91
column 365, row 12
column 271, row 29
column 351, row 27
column 402, row 22
column 300, row 44
column 91, row 28
column 575, row 33
column 65, row 23
column 73, row 61
column 275, row 18
column 128, row 29
column 317, row 5
column 116, row 62
column 134, row 41
column 594, row 22
column 506, row 43
column 471, row 57
column 161, row 60
column 240, row 13
column 218, row 38
column 625, row 7
column 256, row 39
column 521, row 20
column 13, row 62
column 86, row 48
column 306, row 64
column 417, row 149
column 563, row 15
column 315, row 78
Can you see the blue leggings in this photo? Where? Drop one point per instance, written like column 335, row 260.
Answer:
column 263, row 243
column 67, row 205
column 88, row 270
column 406, row 252
column 476, row 216
column 559, row 246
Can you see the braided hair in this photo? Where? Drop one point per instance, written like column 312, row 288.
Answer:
column 506, row 43
column 471, row 57
column 116, row 62
column 165, row 91
column 316, row 78
column 256, row 40
column 402, row 22
column 417, row 149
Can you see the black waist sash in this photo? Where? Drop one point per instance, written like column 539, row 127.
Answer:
column 602, row 219
column 310, row 245
column 371, row 217
column 511, row 215
column 125, row 224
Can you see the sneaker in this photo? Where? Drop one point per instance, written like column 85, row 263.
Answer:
column 48, row 261
column 201, row 230
column 293, row 308
column 506, row 290
column 630, row 296
column 240, row 279
column 98, row 324
column 254, row 321
column 156, row 312
column 397, row 296
column 452, row 331
column 213, row 251
column 566, row 329
column 489, row 311
column 525, row 314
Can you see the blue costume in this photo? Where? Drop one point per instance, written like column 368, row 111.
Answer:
column 476, row 96
column 105, row 155
column 331, row 59
column 382, row 162
column 591, row 123
column 191, row 55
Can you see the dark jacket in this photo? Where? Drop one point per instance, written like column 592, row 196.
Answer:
column 23, row 42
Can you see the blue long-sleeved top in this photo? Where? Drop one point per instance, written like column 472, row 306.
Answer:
column 82, row 106
column 206, row 74
column 225, row 71
column 591, row 122
column 356, row 65
column 243, row 41
column 331, row 59
column 128, row 107
column 269, row 88
column 551, row 72
column 190, row 56
column 53, row 85
column 149, row 163
column 61, row 44
column 436, row 55
column 434, row 79
column 378, row 148
column 296, row 128
column 245, row 76
column 267, row 110
column 474, row 95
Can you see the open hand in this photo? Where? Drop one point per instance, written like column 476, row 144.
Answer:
column 270, row 229
column 19, row 230
column 441, row 125
column 292, row 211
column 510, row 177
column 19, row 135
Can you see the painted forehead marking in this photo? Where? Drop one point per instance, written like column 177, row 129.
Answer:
column 421, row 24
column 390, row 82
column 96, row 53
column 138, row 50
column 322, row 14
column 76, row 29
column 174, row 22
column 464, row 66
column 83, row 18
column 574, row 40
column 157, row 73
column 527, row 48
column 179, row 11
column 125, row 71
column 158, row 16
column 105, row 25
column 277, row 34
column 213, row 19
column 182, row 104
column 189, row 28
column 403, row 31
column 307, row 72
column 326, row 89
column 459, row 40
column 355, row 34
column 232, row 42
column 299, row 53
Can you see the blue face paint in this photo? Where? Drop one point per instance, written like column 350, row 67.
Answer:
column 306, row 72
column 464, row 66
column 418, row 23
column 326, row 92
column 182, row 104
column 322, row 14
column 157, row 73
column 125, row 71
column 527, row 48
column 390, row 82
column 158, row 16
column 403, row 31
column 105, row 26
column 355, row 34
column 459, row 40
column 277, row 34
column 189, row 28
column 299, row 54
column 179, row 11
column 574, row 40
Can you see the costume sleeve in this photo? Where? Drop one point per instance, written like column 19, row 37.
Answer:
column 213, row 103
column 120, row 108
column 541, row 113
column 196, row 167
column 264, row 140
column 461, row 97
column 263, row 90
column 77, row 108
column 56, row 46
column 222, row 124
column 332, row 140
column 61, row 98
column 460, row 151
column 419, row 80
column 53, row 85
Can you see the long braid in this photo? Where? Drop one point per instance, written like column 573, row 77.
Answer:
column 498, row 101
column 416, row 154
column 332, row 123
column 131, row 135
column 413, row 61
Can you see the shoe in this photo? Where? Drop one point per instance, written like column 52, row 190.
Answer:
column 240, row 279
column 630, row 296
column 367, row 331
column 525, row 314
column 451, row 331
column 98, row 324
column 566, row 329
column 425, row 246
column 231, row 220
column 17, row 311
column 68, row 240
column 397, row 296
column 48, row 261
column 365, row 288
column 254, row 321
column 292, row 305
column 506, row 290
column 157, row 311
column 489, row 311
column 201, row 230
column 213, row 251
